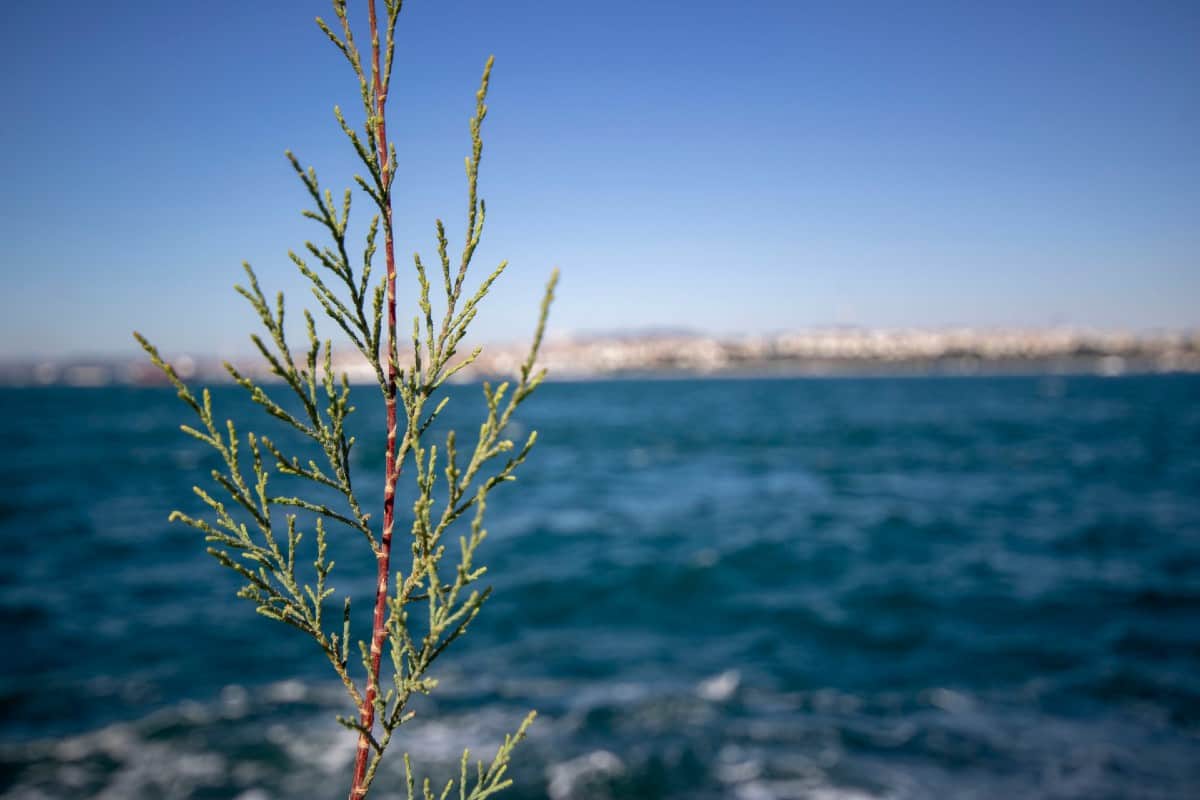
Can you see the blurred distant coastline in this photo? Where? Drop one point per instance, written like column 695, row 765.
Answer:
column 815, row 352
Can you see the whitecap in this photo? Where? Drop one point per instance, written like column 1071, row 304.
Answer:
column 567, row 777
column 720, row 688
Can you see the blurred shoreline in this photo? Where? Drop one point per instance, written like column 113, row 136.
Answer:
column 814, row 352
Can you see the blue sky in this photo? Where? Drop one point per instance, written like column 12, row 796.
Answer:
column 724, row 167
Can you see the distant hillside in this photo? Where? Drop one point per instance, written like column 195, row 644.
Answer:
column 825, row 351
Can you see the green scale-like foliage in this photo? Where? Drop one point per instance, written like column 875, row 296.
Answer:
column 256, row 532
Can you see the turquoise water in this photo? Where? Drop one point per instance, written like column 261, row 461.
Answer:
column 877, row 588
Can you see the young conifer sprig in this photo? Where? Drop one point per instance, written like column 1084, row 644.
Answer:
column 256, row 531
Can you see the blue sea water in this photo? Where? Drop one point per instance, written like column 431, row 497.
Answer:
column 845, row 588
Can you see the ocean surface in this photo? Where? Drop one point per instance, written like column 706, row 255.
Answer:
column 835, row 589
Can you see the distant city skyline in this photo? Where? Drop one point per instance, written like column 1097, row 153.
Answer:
column 713, row 167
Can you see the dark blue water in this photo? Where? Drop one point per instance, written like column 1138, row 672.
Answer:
column 892, row 588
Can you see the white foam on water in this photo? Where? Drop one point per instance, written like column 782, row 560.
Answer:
column 253, row 794
column 799, row 790
column 720, row 688
column 570, row 779
column 950, row 701
column 290, row 691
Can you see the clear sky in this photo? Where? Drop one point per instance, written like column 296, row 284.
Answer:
column 733, row 166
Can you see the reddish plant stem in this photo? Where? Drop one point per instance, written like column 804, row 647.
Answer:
column 358, row 788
